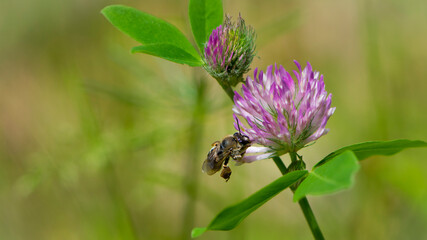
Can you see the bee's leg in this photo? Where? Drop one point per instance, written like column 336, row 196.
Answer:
column 226, row 162
column 237, row 157
column 226, row 171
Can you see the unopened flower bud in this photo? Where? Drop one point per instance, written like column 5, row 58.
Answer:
column 230, row 51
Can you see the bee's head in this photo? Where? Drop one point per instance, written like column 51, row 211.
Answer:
column 243, row 139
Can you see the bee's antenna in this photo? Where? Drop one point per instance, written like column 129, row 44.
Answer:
column 238, row 125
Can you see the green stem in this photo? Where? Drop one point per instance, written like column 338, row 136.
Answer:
column 227, row 88
column 311, row 220
column 123, row 216
column 192, row 169
column 303, row 203
column 280, row 165
column 293, row 156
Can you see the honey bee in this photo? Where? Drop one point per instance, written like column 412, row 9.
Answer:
column 233, row 146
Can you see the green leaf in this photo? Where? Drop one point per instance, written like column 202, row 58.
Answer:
column 168, row 52
column 198, row 231
column 159, row 38
column 333, row 176
column 231, row 216
column 205, row 16
column 367, row 149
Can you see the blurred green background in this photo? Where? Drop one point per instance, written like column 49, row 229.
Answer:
column 97, row 143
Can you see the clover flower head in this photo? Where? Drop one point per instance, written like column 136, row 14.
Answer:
column 230, row 51
column 283, row 115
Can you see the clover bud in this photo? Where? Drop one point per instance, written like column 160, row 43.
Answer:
column 230, row 51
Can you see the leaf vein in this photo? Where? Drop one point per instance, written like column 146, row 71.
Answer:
column 325, row 179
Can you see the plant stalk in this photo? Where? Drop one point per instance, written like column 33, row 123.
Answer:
column 279, row 163
column 191, row 184
column 303, row 203
column 293, row 156
column 311, row 220
column 227, row 88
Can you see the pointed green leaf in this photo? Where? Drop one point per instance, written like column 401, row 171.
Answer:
column 205, row 16
column 168, row 52
column 159, row 37
column 335, row 175
column 231, row 216
column 197, row 232
column 367, row 149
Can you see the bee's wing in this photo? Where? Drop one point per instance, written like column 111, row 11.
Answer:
column 208, row 167
column 213, row 162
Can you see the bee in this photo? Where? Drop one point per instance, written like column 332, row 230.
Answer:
column 233, row 146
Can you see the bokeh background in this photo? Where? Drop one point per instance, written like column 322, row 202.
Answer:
column 97, row 143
